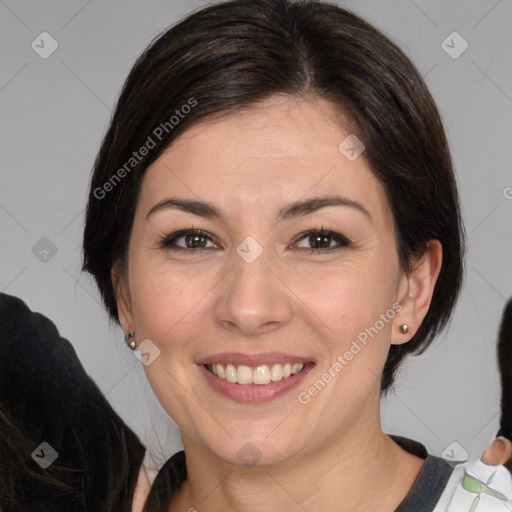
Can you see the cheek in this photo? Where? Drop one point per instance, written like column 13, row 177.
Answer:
column 169, row 303
column 351, row 307
column 168, row 310
column 348, row 297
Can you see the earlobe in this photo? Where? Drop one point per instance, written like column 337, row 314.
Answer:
column 415, row 293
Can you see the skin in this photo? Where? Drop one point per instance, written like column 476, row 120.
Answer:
column 194, row 303
column 142, row 489
column 498, row 452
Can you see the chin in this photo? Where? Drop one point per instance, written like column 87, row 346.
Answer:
column 256, row 450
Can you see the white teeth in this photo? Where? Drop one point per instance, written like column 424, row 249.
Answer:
column 244, row 375
column 276, row 372
column 231, row 374
column 296, row 368
column 259, row 375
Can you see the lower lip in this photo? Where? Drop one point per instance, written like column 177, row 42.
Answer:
column 254, row 393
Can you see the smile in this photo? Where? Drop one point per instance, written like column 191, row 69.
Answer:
column 254, row 378
column 261, row 374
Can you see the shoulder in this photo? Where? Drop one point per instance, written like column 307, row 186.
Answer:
column 475, row 486
column 40, row 374
column 49, row 402
column 144, row 482
column 33, row 349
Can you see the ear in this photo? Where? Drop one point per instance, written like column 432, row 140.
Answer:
column 415, row 292
column 122, row 293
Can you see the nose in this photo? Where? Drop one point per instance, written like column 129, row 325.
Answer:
column 255, row 298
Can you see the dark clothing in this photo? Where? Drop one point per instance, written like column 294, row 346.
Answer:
column 45, row 391
column 429, row 486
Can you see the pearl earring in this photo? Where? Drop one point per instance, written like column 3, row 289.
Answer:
column 404, row 328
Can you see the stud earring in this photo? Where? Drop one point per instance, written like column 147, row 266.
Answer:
column 404, row 328
column 127, row 336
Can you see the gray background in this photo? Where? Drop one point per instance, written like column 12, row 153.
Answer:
column 54, row 112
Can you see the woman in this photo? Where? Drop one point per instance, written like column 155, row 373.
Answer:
column 273, row 221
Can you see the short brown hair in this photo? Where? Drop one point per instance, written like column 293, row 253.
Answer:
column 230, row 55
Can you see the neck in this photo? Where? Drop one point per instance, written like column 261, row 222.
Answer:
column 360, row 470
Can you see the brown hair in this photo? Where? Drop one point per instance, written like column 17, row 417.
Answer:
column 230, row 55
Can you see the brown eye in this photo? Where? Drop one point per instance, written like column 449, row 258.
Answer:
column 194, row 239
column 320, row 240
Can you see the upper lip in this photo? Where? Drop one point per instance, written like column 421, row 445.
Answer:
column 237, row 358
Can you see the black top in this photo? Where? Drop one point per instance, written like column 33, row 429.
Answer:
column 429, row 486
column 47, row 397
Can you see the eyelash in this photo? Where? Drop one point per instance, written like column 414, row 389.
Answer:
column 168, row 241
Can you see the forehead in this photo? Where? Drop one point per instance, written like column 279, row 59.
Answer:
column 275, row 152
column 279, row 127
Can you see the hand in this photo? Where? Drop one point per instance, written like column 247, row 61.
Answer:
column 499, row 452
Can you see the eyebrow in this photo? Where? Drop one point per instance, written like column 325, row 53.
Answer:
column 287, row 212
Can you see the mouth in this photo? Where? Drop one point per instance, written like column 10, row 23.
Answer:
column 254, row 379
column 260, row 375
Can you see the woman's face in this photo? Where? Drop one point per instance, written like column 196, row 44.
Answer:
column 256, row 292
